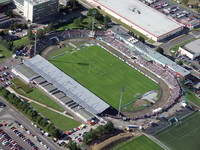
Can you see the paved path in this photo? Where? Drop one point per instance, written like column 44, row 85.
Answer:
column 45, row 106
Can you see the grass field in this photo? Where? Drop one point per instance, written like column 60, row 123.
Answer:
column 39, row 96
column 60, row 121
column 21, row 85
column 4, row 52
column 140, row 143
column 176, row 47
column 104, row 74
column 192, row 97
column 184, row 136
column 21, row 42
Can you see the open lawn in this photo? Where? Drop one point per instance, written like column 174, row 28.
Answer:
column 192, row 97
column 176, row 47
column 39, row 96
column 4, row 51
column 139, row 143
column 184, row 136
column 21, row 85
column 60, row 121
column 21, row 42
column 104, row 74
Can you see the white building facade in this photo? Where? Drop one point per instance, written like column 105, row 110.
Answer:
column 37, row 10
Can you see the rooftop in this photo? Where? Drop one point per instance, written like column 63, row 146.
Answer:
column 193, row 47
column 143, row 16
column 4, row 1
column 26, row 71
column 66, row 84
column 148, row 53
column 36, row 2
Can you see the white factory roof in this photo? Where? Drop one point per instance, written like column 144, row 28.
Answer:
column 36, row 2
column 141, row 15
column 66, row 84
column 193, row 47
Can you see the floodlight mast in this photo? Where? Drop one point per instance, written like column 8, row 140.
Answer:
column 35, row 43
column 120, row 101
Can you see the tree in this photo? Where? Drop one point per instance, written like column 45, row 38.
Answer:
column 40, row 33
column 160, row 50
column 30, row 34
column 73, row 146
column 180, row 62
column 106, row 21
column 77, row 22
column 50, row 27
column 141, row 39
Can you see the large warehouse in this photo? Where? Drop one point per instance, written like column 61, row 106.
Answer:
column 61, row 87
column 140, row 17
column 191, row 49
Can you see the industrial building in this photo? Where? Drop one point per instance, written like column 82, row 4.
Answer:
column 65, row 90
column 37, row 10
column 146, row 20
column 191, row 50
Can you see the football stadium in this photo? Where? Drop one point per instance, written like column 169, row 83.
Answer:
column 97, row 77
column 139, row 16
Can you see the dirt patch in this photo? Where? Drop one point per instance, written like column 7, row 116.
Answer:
column 109, row 143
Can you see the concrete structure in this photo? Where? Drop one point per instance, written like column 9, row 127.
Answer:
column 25, row 73
column 148, row 53
column 69, row 93
column 140, row 17
column 4, row 2
column 37, row 10
column 191, row 50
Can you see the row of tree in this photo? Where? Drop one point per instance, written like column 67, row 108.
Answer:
column 40, row 32
column 97, row 133
column 32, row 114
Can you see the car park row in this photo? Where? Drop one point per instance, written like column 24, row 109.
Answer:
column 181, row 15
column 23, row 134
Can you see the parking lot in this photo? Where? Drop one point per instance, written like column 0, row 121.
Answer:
column 173, row 10
column 17, row 133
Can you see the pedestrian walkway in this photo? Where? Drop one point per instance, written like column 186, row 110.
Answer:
column 31, row 100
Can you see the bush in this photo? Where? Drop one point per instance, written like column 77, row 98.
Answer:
column 97, row 133
column 21, row 85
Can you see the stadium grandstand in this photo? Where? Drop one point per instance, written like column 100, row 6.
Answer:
column 61, row 87
column 144, row 51
column 146, row 20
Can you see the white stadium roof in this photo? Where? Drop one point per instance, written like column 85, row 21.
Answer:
column 66, row 84
column 141, row 15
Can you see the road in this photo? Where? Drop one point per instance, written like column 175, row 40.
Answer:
column 168, row 45
column 19, row 116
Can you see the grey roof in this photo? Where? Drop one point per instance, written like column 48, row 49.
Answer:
column 4, row 1
column 39, row 80
column 49, row 87
column 59, row 95
column 193, row 47
column 65, row 83
column 141, row 15
column 26, row 71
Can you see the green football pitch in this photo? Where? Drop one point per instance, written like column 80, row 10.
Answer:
column 184, row 136
column 104, row 74
column 139, row 143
